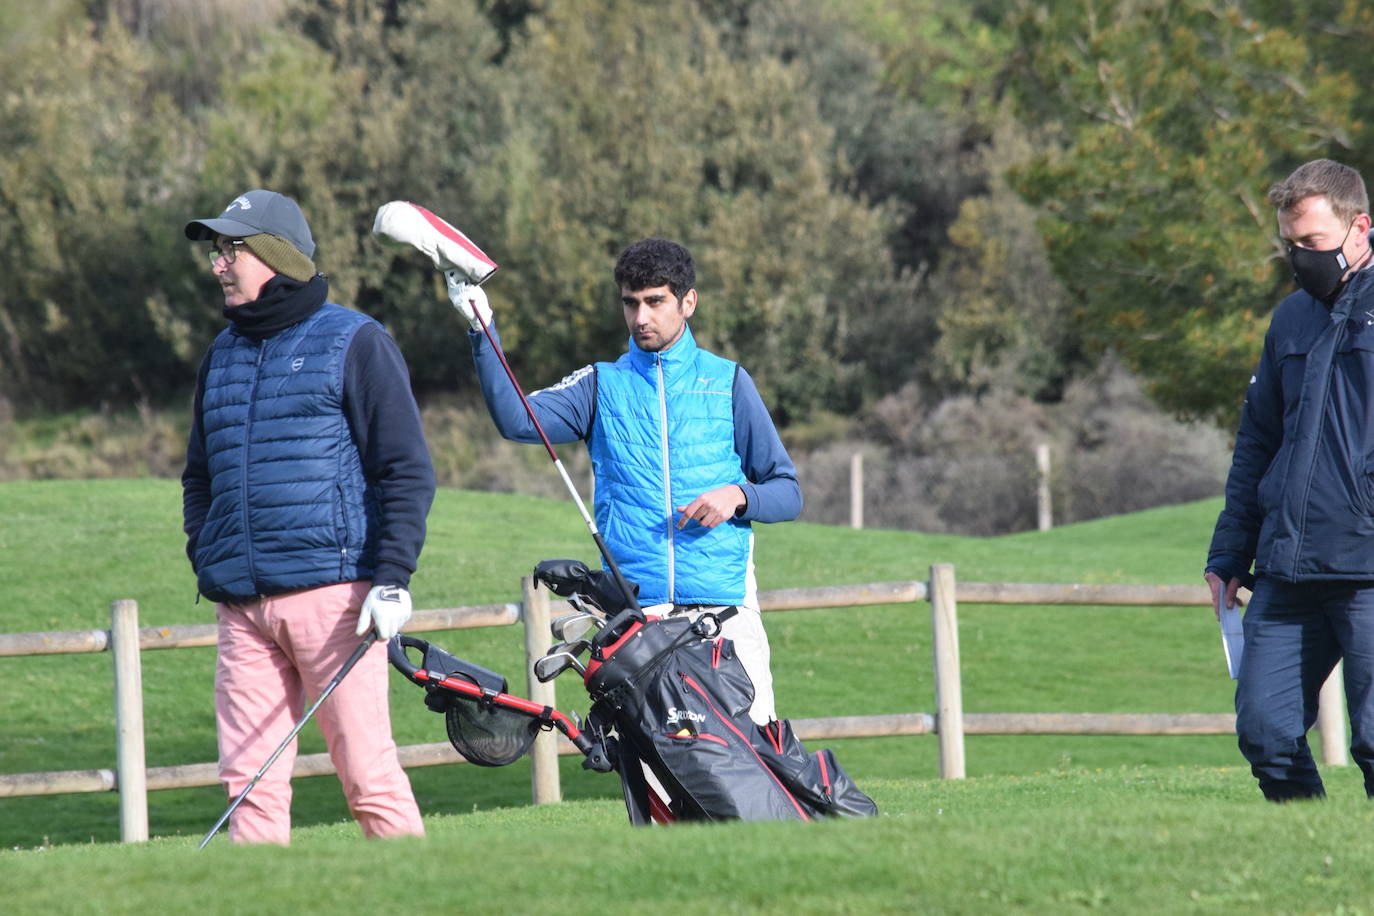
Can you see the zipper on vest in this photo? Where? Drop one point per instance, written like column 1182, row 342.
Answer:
column 247, row 451
column 342, row 535
column 667, row 477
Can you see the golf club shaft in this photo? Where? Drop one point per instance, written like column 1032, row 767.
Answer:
column 562, row 472
column 353, row 659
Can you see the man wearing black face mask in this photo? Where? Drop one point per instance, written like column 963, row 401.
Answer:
column 1300, row 494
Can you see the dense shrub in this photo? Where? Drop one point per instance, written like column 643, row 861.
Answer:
column 967, row 465
column 102, row 444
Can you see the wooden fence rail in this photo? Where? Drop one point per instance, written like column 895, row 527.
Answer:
column 132, row 779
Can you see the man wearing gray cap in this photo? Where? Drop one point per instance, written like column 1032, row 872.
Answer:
column 305, row 493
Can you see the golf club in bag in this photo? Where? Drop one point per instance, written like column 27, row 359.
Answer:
column 353, row 659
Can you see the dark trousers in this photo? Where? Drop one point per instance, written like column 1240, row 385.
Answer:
column 1294, row 635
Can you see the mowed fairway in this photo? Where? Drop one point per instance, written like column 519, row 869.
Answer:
column 1045, row 824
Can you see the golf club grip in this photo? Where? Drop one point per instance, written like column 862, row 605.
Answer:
column 353, row 659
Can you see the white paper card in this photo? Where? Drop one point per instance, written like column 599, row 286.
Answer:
column 1232, row 638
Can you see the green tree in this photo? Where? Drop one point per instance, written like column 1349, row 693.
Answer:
column 350, row 105
column 1337, row 34
column 913, row 89
column 92, row 171
column 1173, row 117
column 1002, row 315
column 626, row 120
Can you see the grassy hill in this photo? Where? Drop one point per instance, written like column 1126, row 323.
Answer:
column 1044, row 824
column 70, row 548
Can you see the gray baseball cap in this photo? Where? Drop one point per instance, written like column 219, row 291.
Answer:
column 255, row 212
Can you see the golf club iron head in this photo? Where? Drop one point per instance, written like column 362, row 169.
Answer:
column 579, row 622
column 550, row 666
column 580, row 603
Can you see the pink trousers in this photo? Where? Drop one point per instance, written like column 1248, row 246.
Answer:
column 277, row 653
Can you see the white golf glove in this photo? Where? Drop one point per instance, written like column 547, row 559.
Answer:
column 386, row 607
column 469, row 299
column 410, row 224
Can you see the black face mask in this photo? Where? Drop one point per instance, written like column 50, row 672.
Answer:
column 1319, row 273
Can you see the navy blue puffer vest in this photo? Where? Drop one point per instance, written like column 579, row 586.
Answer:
column 289, row 506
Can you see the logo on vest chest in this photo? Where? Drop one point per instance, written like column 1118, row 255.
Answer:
column 297, row 363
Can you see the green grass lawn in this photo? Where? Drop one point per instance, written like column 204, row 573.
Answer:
column 1128, row 840
column 1044, row 824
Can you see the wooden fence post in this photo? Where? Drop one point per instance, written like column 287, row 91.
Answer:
column 1045, row 513
column 1331, row 718
column 130, row 762
column 949, row 702
column 856, row 490
column 534, row 612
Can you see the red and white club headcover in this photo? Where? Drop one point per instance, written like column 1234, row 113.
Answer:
column 410, row 224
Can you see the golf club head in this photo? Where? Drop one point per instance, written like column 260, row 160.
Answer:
column 404, row 223
column 548, row 667
column 574, row 625
column 580, row 603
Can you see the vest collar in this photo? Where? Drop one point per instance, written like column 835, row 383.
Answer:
column 681, row 353
column 282, row 303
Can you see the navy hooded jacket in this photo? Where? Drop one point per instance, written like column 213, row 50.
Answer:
column 1300, row 493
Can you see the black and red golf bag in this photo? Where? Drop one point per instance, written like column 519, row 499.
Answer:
column 671, row 710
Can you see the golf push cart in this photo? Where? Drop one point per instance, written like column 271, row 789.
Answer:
column 669, row 712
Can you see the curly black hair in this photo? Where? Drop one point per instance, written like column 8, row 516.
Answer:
column 656, row 262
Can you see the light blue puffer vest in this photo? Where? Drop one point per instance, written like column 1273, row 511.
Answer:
column 664, row 434
column 275, row 430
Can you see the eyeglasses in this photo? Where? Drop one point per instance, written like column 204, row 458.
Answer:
column 229, row 252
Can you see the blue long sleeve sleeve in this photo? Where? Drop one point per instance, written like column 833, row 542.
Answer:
column 564, row 410
column 773, row 493
column 1235, row 539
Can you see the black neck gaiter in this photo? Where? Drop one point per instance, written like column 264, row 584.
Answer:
column 281, row 303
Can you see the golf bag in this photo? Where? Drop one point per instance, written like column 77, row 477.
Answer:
column 671, row 698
